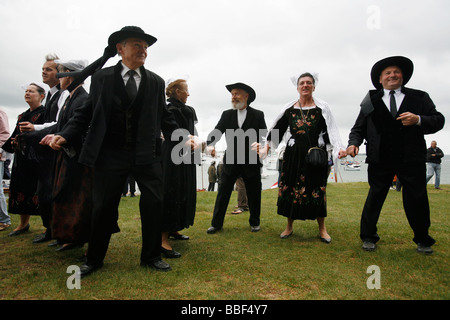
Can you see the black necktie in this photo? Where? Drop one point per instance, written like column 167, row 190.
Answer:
column 48, row 99
column 393, row 104
column 131, row 85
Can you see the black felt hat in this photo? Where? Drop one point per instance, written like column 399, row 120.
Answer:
column 403, row 63
column 246, row 88
column 130, row 32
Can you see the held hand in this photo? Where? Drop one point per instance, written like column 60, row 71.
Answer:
column 190, row 143
column 46, row 140
column 408, row 119
column 352, row 151
column 211, row 151
column 26, row 126
column 198, row 143
column 342, row 154
column 261, row 151
column 57, row 142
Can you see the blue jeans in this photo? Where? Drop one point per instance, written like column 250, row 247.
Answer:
column 434, row 168
column 4, row 217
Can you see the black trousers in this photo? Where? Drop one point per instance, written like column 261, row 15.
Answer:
column 130, row 182
column 110, row 174
column 253, row 186
column 415, row 199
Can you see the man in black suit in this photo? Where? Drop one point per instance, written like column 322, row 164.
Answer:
column 124, row 116
column 393, row 120
column 244, row 128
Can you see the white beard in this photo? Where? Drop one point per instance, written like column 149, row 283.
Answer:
column 238, row 105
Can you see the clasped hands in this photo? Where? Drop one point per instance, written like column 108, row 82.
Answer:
column 56, row 142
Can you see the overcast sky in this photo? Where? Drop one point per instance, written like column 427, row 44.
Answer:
column 259, row 42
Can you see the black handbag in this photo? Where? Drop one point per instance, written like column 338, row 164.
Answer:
column 316, row 156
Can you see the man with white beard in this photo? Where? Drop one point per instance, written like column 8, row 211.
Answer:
column 244, row 128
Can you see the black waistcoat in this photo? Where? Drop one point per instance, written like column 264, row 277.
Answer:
column 51, row 108
column 391, row 133
column 123, row 124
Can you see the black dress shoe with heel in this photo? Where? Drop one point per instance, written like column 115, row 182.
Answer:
column 20, row 231
column 178, row 236
column 69, row 246
column 171, row 254
column 43, row 237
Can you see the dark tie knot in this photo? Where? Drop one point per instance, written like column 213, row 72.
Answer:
column 131, row 84
column 393, row 104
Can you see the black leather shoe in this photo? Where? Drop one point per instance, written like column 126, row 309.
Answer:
column 171, row 254
column 285, row 236
column 158, row 265
column 212, row 230
column 68, row 246
column 424, row 249
column 87, row 269
column 43, row 237
column 326, row 240
column 20, row 231
column 178, row 236
column 53, row 244
column 369, row 246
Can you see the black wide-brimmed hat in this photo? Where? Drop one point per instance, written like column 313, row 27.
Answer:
column 403, row 63
column 130, row 32
column 246, row 88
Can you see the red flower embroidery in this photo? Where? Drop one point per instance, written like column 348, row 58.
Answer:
column 35, row 117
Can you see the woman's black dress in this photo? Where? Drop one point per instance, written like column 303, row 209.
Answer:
column 302, row 190
column 180, row 180
column 72, row 185
column 23, row 196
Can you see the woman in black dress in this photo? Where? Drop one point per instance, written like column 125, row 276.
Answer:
column 23, row 197
column 302, row 188
column 180, row 180
column 72, row 181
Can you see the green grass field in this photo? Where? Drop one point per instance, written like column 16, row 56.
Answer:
column 236, row 264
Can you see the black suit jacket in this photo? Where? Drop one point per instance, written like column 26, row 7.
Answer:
column 438, row 155
column 385, row 136
column 94, row 117
column 239, row 141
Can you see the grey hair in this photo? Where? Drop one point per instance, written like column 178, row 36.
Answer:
column 309, row 75
column 123, row 43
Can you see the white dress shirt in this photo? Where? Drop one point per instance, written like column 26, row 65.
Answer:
column 61, row 102
column 125, row 76
column 399, row 96
column 241, row 114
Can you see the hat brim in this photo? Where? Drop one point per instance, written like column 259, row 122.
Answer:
column 73, row 74
column 405, row 64
column 246, row 88
column 119, row 36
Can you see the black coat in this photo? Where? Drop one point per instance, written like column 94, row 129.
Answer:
column 438, row 155
column 255, row 128
column 96, row 113
column 386, row 138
